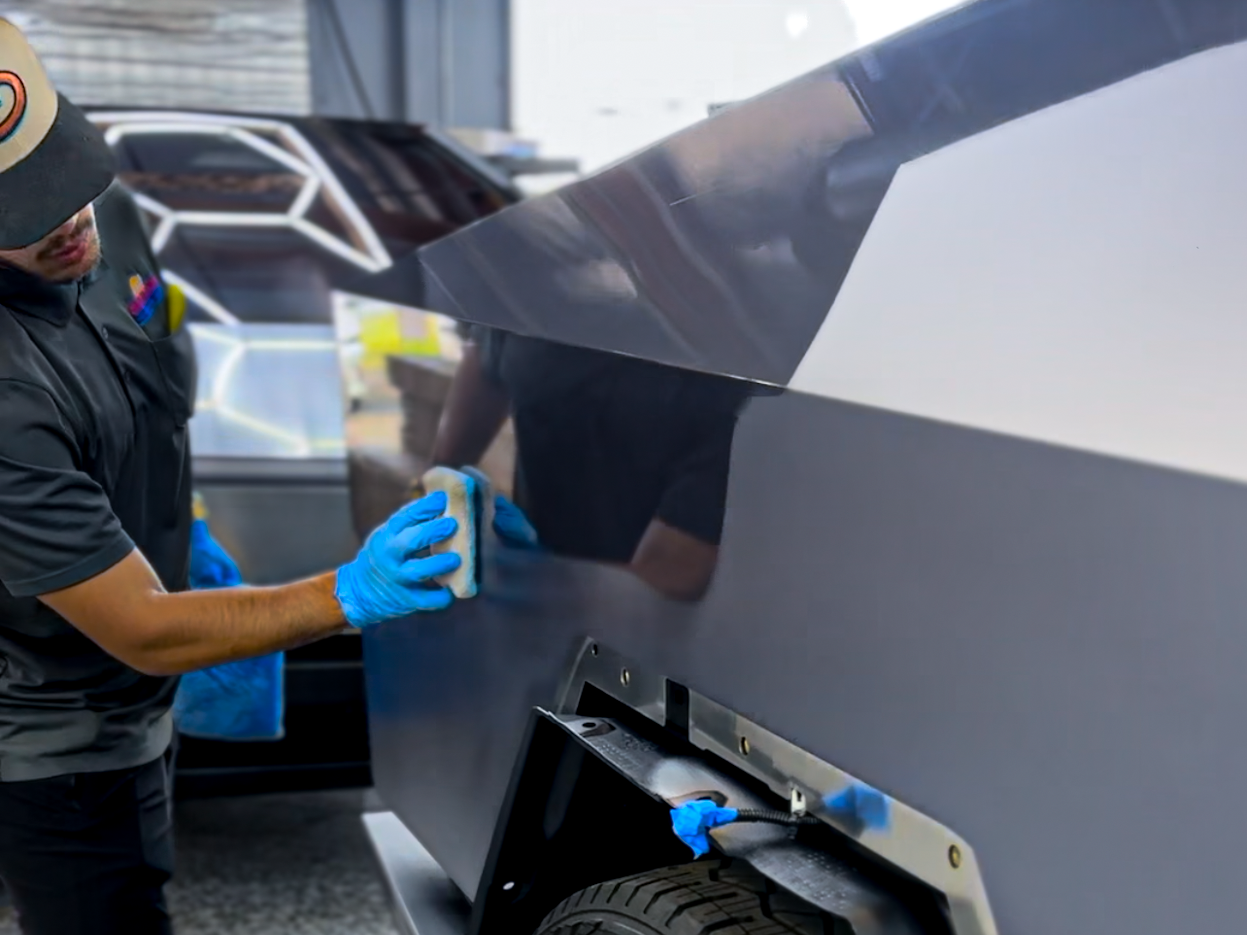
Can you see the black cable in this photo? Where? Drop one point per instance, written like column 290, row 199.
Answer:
column 772, row 817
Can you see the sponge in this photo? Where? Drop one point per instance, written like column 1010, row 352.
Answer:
column 464, row 503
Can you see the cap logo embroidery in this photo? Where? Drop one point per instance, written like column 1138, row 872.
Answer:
column 11, row 111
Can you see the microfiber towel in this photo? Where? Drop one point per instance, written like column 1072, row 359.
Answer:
column 239, row 700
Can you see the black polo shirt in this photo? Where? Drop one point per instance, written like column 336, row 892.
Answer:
column 605, row 443
column 94, row 462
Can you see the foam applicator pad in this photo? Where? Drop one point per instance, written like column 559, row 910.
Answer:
column 464, row 503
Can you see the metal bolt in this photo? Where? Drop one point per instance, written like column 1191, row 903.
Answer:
column 508, row 886
column 954, row 856
column 625, row 677
column 744, row 746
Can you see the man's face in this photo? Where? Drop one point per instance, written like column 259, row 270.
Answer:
column 68, row 253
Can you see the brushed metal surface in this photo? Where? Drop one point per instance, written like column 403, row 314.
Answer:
column 831, row 884
column 424, row 902
column 1037, row 647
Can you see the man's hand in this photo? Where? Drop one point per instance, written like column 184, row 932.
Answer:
column 129, row 614
column 386, row 580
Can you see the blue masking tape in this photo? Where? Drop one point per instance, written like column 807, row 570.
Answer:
column 692, row 822
column 860, row 806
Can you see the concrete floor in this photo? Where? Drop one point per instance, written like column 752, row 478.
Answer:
column 273, row 865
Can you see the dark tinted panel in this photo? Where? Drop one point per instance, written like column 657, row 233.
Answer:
column 724, row 247
column 719, row 250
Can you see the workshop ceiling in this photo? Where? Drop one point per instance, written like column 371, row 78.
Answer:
column 228, row 54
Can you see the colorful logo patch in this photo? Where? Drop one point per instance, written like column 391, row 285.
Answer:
column 145, row 297
column 12, row 104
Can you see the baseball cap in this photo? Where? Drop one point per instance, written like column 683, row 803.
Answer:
column 53, row 160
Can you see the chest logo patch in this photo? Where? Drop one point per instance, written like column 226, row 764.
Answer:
column 145, row 297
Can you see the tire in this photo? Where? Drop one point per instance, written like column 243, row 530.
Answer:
column 721, row 896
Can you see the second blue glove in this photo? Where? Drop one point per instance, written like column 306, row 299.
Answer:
column 211, row 565
column 387, row 580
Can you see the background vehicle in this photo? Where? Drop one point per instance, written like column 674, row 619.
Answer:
column 985, row 518
column 265, row 222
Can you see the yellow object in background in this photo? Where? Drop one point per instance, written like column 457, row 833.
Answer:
column 394, row 331
column 175, row 304
column 198, row 508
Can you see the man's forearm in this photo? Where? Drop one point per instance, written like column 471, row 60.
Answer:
column 127, row 611
column 196, row 629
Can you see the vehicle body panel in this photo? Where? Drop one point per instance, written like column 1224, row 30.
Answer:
column 1033, row 639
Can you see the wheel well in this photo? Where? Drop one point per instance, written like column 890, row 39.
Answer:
column 571, row 821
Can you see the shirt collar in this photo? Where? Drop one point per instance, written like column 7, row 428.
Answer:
column 24, row 292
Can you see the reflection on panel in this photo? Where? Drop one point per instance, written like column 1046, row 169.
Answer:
column 610, row 458
column 618, row 460
column 267, row 391
column 720, row 249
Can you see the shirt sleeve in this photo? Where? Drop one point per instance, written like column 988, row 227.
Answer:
column 57, row 527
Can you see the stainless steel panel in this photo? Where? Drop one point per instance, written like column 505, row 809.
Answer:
column 1037, row 647
column 425, row 902
column 908, row 840
column 833, row 886
column 723, row 247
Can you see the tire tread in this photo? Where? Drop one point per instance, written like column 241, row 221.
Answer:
column 713, row 897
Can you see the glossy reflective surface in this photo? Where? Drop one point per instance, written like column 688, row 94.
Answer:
column 723, row 248
column 749, row 214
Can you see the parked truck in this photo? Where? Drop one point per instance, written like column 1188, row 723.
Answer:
column 972, row 649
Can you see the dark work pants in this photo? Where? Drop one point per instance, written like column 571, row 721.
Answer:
column 89, row 854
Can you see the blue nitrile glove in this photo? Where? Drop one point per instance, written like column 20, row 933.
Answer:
column 512, row 526
column 387, row 579
column 211, row 566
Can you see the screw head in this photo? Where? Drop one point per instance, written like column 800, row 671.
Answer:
column 954, row 857
column 744, row 746
column 593, row 650
column 624, row 677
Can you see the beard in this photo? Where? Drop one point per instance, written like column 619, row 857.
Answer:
column 71, row 256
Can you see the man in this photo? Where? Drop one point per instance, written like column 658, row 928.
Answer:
column 617, row 459
column 96, row 388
